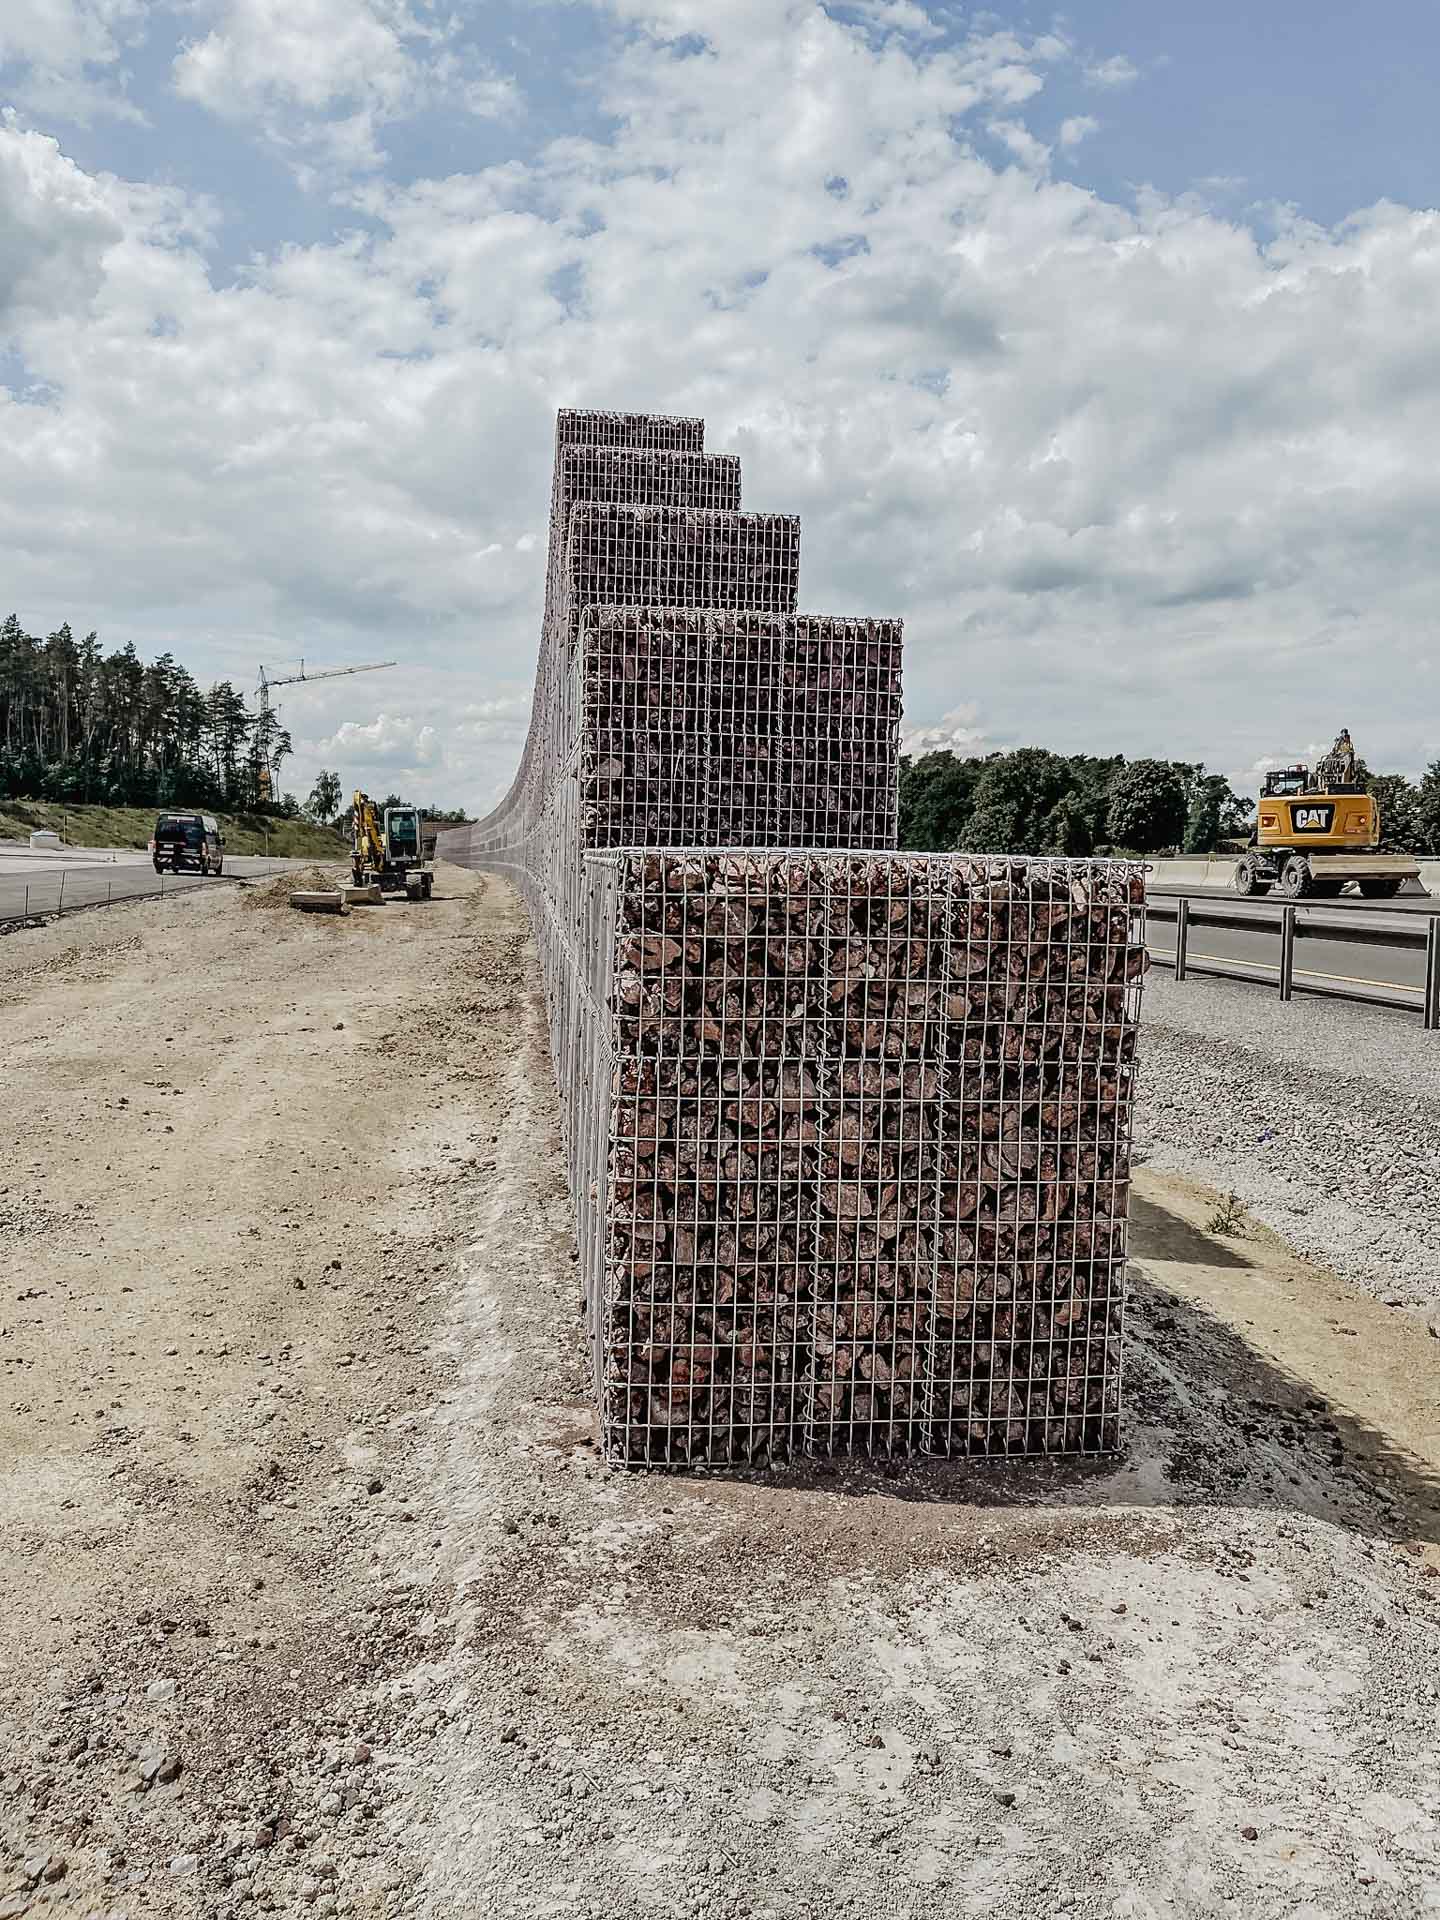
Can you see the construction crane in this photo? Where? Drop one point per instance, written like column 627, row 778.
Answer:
column 294, row 680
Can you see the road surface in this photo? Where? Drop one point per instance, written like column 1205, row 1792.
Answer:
column 31, row 885
column 1393, row 974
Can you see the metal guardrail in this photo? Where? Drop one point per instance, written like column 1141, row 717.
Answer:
column 1413, row 933
column 44, row 900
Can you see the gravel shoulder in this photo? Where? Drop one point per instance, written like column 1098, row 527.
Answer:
column 1323, row 1118
column 224, row 1239
column 510, row 1680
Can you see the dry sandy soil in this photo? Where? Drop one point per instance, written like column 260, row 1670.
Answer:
column 316, row 1597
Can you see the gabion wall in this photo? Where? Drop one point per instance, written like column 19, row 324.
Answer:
column 848, row 1131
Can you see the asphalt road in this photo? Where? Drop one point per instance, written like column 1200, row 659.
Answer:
column 30, row 885
column 1342, row 962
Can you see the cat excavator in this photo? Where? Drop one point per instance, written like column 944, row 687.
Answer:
column 389, row 849
column 1316, row 832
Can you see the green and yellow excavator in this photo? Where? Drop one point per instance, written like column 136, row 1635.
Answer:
column 1317, row 832
column 390, row 849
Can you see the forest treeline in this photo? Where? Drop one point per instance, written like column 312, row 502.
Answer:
column 80, row 725
column 1033, row 801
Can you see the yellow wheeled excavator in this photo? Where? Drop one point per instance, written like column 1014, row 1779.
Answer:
column 390, row 849
column 1316, row 832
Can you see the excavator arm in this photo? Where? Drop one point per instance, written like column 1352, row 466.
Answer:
column 366, row 844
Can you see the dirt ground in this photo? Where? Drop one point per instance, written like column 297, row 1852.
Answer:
column 317, row 1597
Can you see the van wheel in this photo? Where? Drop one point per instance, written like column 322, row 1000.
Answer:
column 1383, row 887
column 158, row 867
column 219, row 866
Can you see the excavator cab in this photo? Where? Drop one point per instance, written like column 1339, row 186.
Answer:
column 1285, row 780
column 402, row 833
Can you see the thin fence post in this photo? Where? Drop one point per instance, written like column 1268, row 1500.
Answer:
column 60, row 904
column 1287, row 953
column 1182, row 937
column 1432, row 974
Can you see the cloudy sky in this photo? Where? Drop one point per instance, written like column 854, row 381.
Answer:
column 1102, row 346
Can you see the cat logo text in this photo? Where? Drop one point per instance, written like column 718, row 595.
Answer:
column 1313, row 819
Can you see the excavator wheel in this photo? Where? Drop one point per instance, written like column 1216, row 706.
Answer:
column 1294, row 878
column 1248, row 881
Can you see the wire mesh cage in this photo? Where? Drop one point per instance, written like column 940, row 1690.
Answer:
column 868, row 1153
column 631, row 476
column 716, row 729
column 848, row 1133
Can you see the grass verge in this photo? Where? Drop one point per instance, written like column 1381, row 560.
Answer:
column 133, row 826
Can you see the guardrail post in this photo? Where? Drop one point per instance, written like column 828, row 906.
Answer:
column 1432, row 974
column 1287, row 953
column 1182, row 936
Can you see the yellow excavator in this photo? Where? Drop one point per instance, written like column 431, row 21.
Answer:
column 1316, row 832
column 389, row 849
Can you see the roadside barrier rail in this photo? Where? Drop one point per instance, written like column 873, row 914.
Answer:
column 1410, row 932
column 45, row 897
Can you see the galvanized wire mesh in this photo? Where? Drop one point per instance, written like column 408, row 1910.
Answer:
column 737, row 729
column 868, row 1153
column 848, row 1133
column 630, row 476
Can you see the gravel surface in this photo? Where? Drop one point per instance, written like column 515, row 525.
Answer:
column 318, row 1599
column 1323, row 1118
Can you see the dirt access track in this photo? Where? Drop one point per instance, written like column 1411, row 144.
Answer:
column 316, row 1596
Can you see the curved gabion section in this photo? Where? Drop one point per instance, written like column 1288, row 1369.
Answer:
column 848, row 1130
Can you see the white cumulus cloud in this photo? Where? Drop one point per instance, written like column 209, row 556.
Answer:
column 955, row 733
column 1114, row 72
column 65, row 56
column 1077, row 128
column 388, row 740
column 322, row 78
